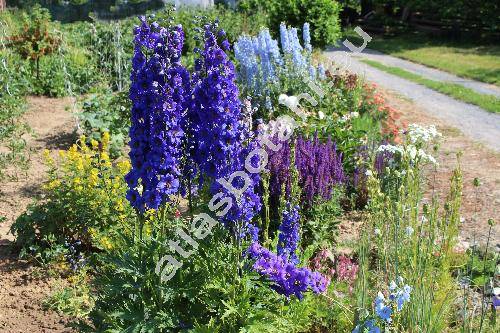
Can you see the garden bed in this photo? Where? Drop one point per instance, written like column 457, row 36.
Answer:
column 210, row 193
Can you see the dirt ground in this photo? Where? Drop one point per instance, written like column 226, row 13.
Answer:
column 23, row 288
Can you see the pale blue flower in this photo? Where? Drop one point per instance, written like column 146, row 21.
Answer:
column 312, row 72
column 273, row 48
column 392, row 286
column 265, row 62
column 372, row 328
column 321, row 72
column 383, row 311
column 306, row 34
column 285, row 41
column 245, row 54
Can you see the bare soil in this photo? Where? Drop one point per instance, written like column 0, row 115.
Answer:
column 23, row 288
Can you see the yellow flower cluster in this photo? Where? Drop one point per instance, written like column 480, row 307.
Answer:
column 90, row 187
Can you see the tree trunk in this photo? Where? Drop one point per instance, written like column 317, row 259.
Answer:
column 37, row 69
column 366, row 7
column 406, row 13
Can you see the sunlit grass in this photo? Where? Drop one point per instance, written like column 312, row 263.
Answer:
column 465, row 59
column 487, row 102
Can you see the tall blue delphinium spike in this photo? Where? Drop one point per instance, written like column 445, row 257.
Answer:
column 269, row 104
column 296, row 49
column 321, row 72
column 265, row 61
column 220, row 137
column 272, row 48
column 312, row 72
column 245, row 53
column 256, row 45
column 289, row 234
column 306, row 34
column 285, row 40
column 158, row 89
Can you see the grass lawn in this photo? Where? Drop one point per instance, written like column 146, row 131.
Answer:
column 473, row 61
column 486, row 102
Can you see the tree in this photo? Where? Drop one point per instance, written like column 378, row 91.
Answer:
column 35, row 40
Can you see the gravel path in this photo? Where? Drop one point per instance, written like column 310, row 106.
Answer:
column 471, row 120
column 428, row 72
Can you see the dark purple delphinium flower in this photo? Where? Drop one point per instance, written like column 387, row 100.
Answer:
column 382, row 160
column 75, row 256
column 359, row 177
column 289, row 234
column 320, row 168
column 220, row 140
column 287, row 279
column 279, row 169
column 159, row 84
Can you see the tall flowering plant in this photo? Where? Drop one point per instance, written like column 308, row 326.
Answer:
column 179, row 120
column 219, row 134
column 159, row 90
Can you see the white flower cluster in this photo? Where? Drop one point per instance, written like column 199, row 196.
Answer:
column 411, row 151
column 289, row 101
column 282, row 124
column 417, row 136
column 349, row 116
column 422, row 134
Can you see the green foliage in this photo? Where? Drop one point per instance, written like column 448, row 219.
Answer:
column 323, row 15
column 84, row 200
column 12, row 106
column 210, row 293
column 482, row 268
column 471, row 11
column 234, row 23
column 74, row 300
column 321, row 221
column 107, row 112
column 36, row 38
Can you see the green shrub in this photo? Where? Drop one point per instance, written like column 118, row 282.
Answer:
column 210, row 293
column 69, row 72
column 84, row 200
column 36, row 39
column 323, row 15
column 13, row 87
column 107, row 112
